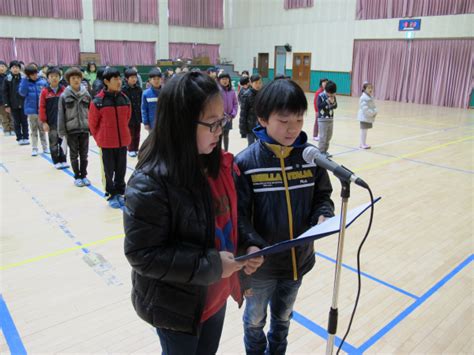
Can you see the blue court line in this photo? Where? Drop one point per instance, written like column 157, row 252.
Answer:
column 70, row 173
column 315, row 328
column 376, row 337
column 9, row 330
column 371, row 277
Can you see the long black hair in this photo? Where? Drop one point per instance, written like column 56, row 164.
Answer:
column 172, row 141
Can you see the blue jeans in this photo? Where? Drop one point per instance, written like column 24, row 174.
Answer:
column 205, row 343
column 281, row 295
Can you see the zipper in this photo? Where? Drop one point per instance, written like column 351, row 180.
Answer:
column 117, row 119
column 290, row 212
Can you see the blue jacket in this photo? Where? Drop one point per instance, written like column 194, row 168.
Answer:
column 149, row 104
column 276, row 188
column 31, row 91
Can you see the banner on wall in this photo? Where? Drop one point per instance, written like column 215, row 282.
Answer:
column 409, row 24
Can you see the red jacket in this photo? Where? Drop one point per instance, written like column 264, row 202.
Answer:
column 109, row 114
column 315, row 101
column 48, row 105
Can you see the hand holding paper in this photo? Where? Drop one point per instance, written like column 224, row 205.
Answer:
column 328, row 227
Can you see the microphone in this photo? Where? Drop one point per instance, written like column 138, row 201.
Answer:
column 313, row 155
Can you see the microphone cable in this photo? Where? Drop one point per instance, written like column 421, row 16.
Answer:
column 358, row 270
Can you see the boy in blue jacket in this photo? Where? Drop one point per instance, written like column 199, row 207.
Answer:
column 30, row 88
column 279, row 197
column 150, row 99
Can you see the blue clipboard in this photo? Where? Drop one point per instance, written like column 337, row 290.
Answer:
column 328, row 227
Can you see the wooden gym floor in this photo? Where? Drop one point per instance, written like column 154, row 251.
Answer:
column 65, row 284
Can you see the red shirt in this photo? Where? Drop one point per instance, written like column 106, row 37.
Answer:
column 315, row 101
column 225, row 210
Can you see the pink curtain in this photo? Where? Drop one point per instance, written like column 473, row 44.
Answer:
column 196, row 13
column 297, row 4
column 44, row 51
column 434, row 72
column 70, row 9
column 7, row 52
column 126, row 53
column 137, row 11
column 378, row 9
column 193, row 50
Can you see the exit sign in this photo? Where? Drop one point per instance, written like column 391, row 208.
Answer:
column 409, row 25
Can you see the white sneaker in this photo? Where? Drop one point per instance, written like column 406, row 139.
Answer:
column 46, row 150
column 64, row 165
column 34, row 152
column 58, row 166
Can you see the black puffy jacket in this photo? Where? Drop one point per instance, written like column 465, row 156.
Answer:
column 248, row 117
column 11, row 97
column 170, row 236
column 276, row 188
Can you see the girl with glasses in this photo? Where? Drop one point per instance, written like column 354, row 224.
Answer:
column 180, row 220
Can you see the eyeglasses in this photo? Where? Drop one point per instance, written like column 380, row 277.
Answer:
column 215, row 125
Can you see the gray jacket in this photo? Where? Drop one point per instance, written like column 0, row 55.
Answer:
column 73, row 111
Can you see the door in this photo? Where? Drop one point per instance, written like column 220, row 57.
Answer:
column 280, row 60
column 302, row 69
column 263, row 64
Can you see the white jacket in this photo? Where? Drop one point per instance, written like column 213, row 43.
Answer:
column 367, row 110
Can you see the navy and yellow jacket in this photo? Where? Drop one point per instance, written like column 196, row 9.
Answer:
column 279, row 197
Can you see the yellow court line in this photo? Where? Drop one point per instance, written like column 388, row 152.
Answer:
column 60, row 252
column 404, row 156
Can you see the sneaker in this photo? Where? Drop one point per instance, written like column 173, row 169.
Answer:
column 20, row 142
column 58, row 166
column 34, row 152
column 6, row 133
column 12, row 133
column 114, row 202
column 78, row 183
column 46, row 150
column 86, row 182
column 26, row 141
column 132, row 154
column 364, row 146
column 64, row 165
column 121, row 200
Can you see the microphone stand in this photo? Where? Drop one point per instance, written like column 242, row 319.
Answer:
column 333, row 313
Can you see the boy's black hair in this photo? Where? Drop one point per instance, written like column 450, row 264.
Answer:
column 280, row 96
column 245, row 72
column 130, row 72
column 223, row 75
column 73, row 71
column 30, row 69
column 331, row 87
column 14, row 63
column 255, row 78
column 100, row 73
column 53, row 70
column 280, row 76
column 3, row 63
column 110, row 73
column 154, row 73
column 89, row 64
column 322, row 81
column 182, row 101
column 244, row 80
